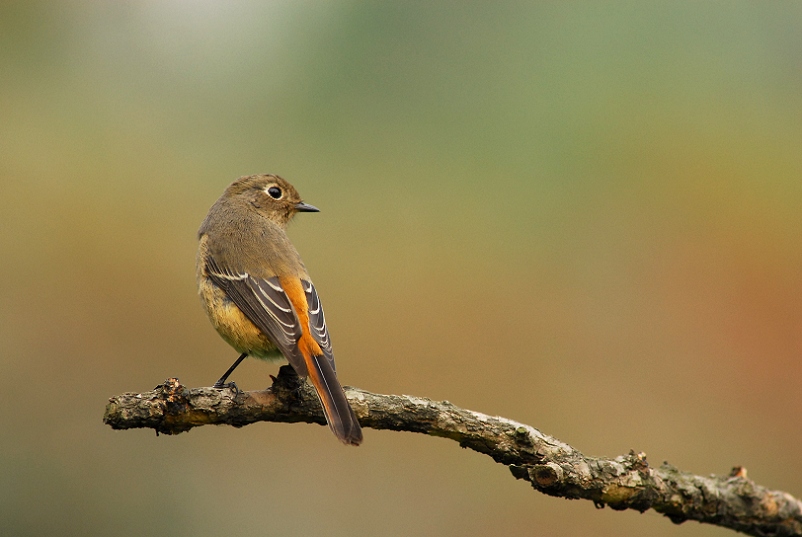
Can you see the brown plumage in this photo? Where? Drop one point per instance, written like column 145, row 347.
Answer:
column 258, row 294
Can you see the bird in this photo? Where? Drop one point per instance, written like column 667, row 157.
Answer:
column 258, row 294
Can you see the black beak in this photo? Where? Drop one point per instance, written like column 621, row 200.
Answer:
column 302, row 207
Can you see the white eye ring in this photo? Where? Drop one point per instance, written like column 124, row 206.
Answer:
column 274, row 192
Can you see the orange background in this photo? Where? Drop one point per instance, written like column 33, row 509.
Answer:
column 583, row 218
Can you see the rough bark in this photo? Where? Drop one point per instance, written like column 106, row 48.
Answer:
column 551, row 466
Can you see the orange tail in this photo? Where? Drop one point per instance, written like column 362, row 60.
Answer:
column 339, row 414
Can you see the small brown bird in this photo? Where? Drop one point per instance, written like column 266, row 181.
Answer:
column 257, row 292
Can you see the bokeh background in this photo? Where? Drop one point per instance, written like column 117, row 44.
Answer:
column 586, row 218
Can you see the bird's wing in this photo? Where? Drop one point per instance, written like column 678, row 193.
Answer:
column 269, row 306
column 265, row 304
column 317, row 321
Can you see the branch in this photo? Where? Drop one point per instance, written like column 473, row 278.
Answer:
column 552, row 467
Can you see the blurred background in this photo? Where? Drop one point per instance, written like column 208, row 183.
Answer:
column 586, row 218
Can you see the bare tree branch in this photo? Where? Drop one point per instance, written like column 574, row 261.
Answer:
column 552, row 467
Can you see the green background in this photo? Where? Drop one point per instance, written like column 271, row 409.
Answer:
column 586, row 218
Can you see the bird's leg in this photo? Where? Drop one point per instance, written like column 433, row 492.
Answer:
column 221, row 383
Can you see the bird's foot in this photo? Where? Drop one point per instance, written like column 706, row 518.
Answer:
column 227, row 386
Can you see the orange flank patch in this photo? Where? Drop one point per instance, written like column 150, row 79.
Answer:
column 295, row 292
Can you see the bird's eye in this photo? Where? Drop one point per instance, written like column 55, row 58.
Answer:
column 274, row 192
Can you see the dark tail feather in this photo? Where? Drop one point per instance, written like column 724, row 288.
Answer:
column 339, row 414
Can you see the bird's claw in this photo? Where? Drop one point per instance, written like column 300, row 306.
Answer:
column 227, row 386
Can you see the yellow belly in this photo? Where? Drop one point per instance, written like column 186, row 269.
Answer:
column 235, row 327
